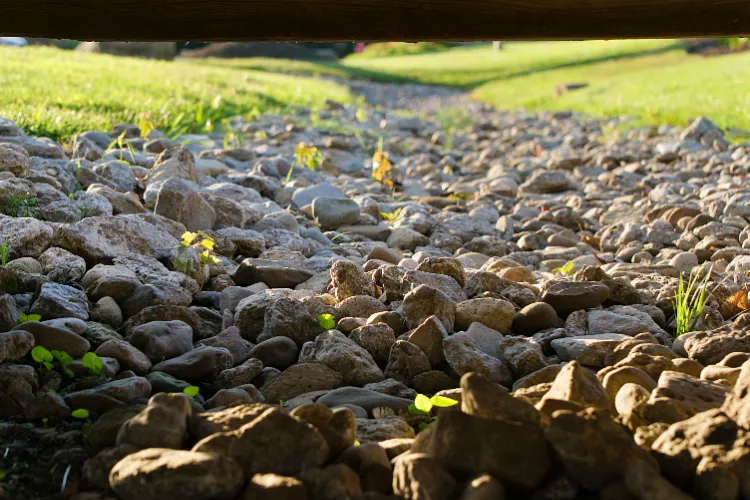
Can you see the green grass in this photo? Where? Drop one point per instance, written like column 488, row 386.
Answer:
column 57, row 93
column 668, row 88
column 471, row 66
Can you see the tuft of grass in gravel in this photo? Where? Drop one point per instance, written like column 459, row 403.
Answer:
column 57, row 94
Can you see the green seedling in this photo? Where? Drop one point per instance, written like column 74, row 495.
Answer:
column 361, row 115
column 199, row 240
column 424, row 405
column 690, row 301
column 64, row 359
column 289, row 175
column 2, row 474
column 308, row 155
column 93, row 363
column 26, row 318
column 22, row 206
column 391, row 216
column 566, row 269
column 5, row 249
column 326, row 321
column 44, row 357
column 80, row 413
column 191, row 391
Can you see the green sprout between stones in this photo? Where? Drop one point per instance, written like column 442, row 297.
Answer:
column 391, row 216
column 200, row 241
column 423, row 405
column 22, row 206
column 5, row 249
column 93, row 363
column 80, row 413
column 42, row 356
column 26, row 318
column 191, row 391
column 690, row 301
column 326, row 321
column 566, row 269
column 308, row 155
column 64, row 359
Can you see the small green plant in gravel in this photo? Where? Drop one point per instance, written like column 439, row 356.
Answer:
column 689, row 302
column 64, row 360
column 201, row 242
column 326, row 321
column 566, row 269
column 25, row 318
column 423, row 406
column 391, row 216
column 93, row 363
column 191, row 391
column 22, row 206
column 5, row 249
column 308, row 155
column 42, row 356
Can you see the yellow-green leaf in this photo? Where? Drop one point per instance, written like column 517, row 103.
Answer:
column 442, row 401
column 80, row 413
column 423, row 403
column 191, row 391
column 188, row 238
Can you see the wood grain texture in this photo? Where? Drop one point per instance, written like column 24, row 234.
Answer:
column 371, row 20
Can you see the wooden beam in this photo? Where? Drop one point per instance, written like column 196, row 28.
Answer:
column 371, row 20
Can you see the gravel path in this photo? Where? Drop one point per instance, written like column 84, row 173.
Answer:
column 368, row 302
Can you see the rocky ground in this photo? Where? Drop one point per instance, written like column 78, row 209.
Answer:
column 524, row 268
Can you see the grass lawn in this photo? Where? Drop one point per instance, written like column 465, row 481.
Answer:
column 58, row 93
column 667, row 88
column 653, row 81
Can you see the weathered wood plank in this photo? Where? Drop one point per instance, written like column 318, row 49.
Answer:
column 371, row 20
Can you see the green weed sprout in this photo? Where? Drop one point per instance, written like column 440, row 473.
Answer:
column 93, row 363
column 80, row 413
column 690, row 301
column 191, row 391
column 5, row 249
column 26, row 318
column 424, row 405
column 42, row 356
column 23, row 206
column 566, row 269
column 199, row 240
column 308, row 155
column 326, row 321
column 65, row 360
column 391, row 216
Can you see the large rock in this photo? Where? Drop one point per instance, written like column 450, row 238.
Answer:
column 61, row 301
column 156, row 473
column 181, row 202
column 15, row 345
column 299, row 379
column 331, row 213
column 107, row 237
column 710, row 347
column 274, row 442
column 568, row 296
column 497, row 314
column 27, row 237
column 274, row 273
column 162, row 424
column 201, row 363
column 425, row 301
column 343, row 355
column 466, row 445
column 464, row 356
column 52, row 337
column 288, row 317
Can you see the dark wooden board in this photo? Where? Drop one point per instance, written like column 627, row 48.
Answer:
column 371, row 20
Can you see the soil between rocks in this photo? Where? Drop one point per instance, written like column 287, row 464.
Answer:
column 522, row 265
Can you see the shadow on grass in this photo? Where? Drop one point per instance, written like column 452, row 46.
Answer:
column 344, row 72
